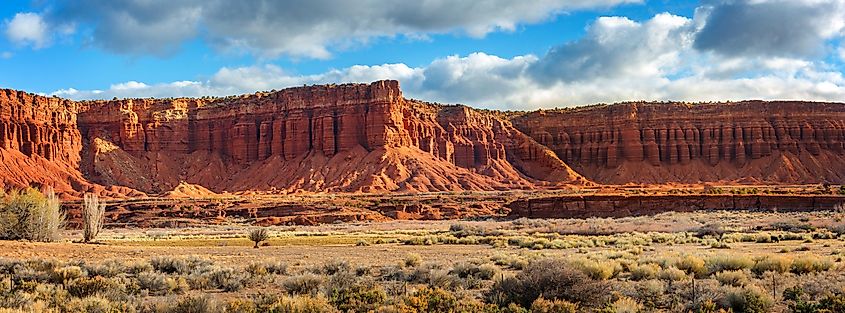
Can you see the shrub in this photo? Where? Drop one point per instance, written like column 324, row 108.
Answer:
column 67, row 273
column 303, row 284
column 412, row 260
column 672, row 274
column 469, row 270
column 196, row 304
column 93, row 213
column 258, row 235
column 729, row 263
column 771, row 263
column 747, row 300
column 84, row 286
column 809, row 264
column 160, row 284
column 554, row 279
column 227, row 279
column 644, row 271
column 94, row 304
column 31, row 215
column 692, row 265
column 178, row 265
column 625, row 305
column 553, row 306
column 733, row 278
column 710, row 230
column 350, row 294
column 600, row 270
column 430, row 300
column 298, row 304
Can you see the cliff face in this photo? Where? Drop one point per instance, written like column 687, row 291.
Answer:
column 368, row 137
column 753, row 141
column 352, row 137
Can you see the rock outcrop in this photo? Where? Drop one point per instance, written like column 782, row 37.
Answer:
column 751, row 141
column 369, row 138
column 351, row 137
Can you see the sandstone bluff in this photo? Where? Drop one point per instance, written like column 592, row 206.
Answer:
column 369, row 138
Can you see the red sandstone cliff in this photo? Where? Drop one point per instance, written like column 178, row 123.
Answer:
column 369, row 138
column 746, row 142
column 352, row 137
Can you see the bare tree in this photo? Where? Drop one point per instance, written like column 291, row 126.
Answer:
column 93, row 214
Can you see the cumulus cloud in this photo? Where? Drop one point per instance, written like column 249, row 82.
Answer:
column 28, row 29
column 618, row 46
column 618, row 59
column 296, row 28
column 792, row 28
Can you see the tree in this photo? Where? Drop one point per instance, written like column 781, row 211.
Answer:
column 31, row 215
column 258, row 235
column 93, row 214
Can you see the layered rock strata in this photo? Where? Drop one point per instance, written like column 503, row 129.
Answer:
column 369, row 138
column 754, row 141
column 351, row 137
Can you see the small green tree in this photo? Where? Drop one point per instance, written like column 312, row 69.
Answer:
column 93, row 214
column 31, row 215
column 258, row 235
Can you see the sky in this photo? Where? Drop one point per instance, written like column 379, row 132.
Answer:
column 497, row 54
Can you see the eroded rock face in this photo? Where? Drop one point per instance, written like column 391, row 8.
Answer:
column 694, row 143
column 369, row 138
column 351, row 137
column 39, row 126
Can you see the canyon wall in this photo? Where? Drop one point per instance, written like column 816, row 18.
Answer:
column 369, row 138
column 751, row 141
column 39, row 126
column 350, row 137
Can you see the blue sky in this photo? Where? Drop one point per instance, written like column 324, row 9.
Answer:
column 496, row 54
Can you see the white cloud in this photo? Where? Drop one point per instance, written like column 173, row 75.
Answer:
column 28, row 29
column 6, row 55
column 313, row 29
column 618, row 59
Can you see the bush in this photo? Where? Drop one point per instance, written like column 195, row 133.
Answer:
column 810, row 264
column 692, row 265
column 625, row 305
column 178, row 265
column 672, row 274
column 430, row 300
column 303, row 284
column 729, row 263
column 412, row 260
column 350, row 294
column 84, row 286
column 733, row 278
column 298, row 304
column 710, row 230
column 747, row 300
column 644, row 271
column 227, row 279
column 553, row 306
column 196, row 304
column 779, row 264
column 554, row 279
column 601, row 270
column 468, row 270
column 93, row 213
column 31, row 215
